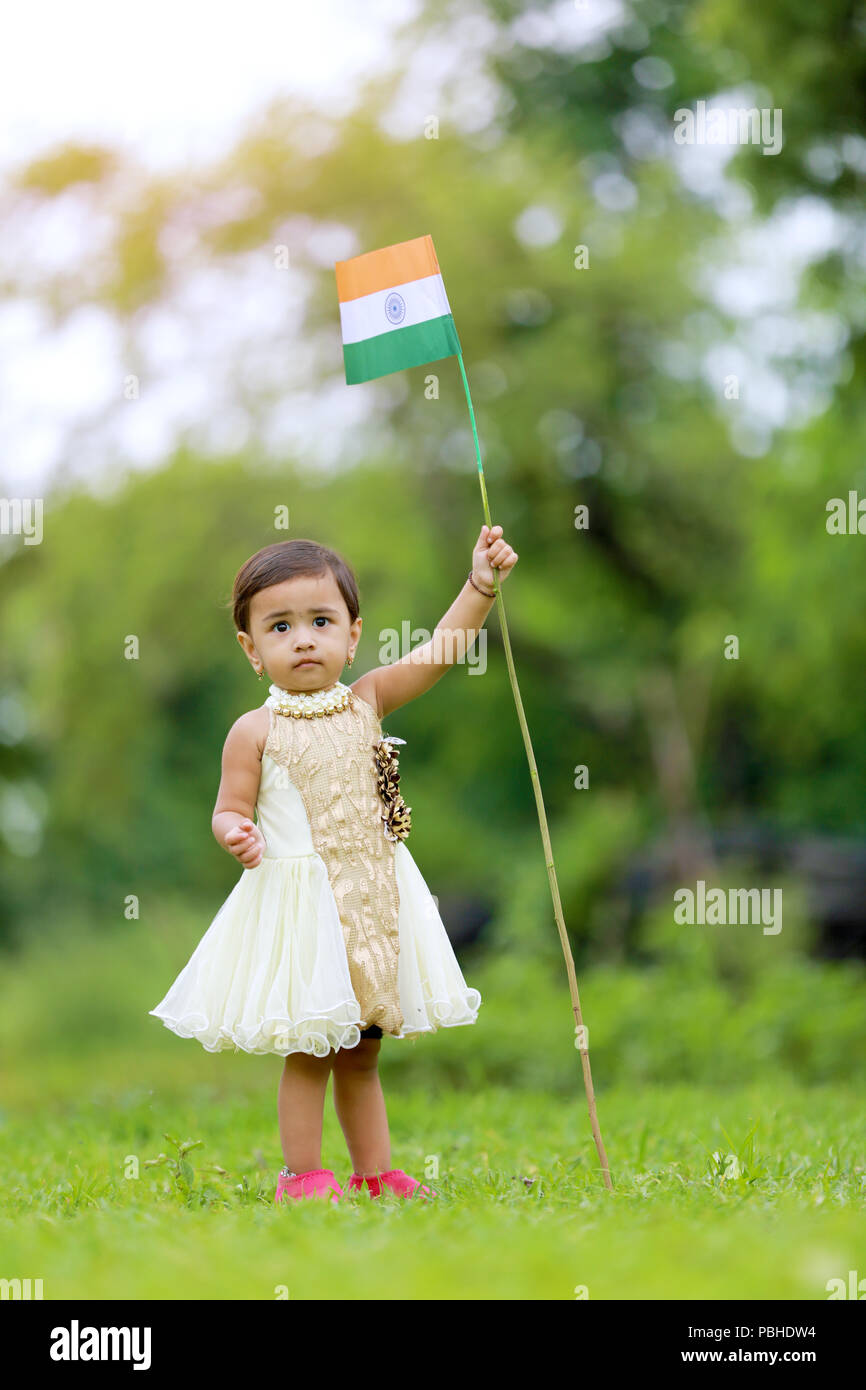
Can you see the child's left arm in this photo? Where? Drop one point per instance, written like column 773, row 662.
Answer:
column 396, row 684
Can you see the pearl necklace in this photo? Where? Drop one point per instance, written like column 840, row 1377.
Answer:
column 309, row 706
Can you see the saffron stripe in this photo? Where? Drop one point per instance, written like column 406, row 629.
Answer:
column 389, row 266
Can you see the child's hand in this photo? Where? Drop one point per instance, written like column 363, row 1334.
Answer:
column 247, row 843
column 492, row 552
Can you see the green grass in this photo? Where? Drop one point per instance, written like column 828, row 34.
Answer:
column 521, row 1214
column 769, row 1069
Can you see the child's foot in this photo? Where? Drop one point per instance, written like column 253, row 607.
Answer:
column 394, row 1180
column 318, row 1182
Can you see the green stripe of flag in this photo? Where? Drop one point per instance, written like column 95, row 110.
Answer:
column 399, row 348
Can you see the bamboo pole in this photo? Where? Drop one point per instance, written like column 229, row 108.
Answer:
column 579, row 1030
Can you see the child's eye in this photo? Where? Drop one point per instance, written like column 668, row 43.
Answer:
column 283, row 624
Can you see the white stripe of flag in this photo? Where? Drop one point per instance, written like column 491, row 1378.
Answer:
column 365, row 317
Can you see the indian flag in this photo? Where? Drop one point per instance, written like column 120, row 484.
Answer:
column 393, row 310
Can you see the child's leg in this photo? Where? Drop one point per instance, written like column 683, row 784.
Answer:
column 300, row 1108
column 360, row 1106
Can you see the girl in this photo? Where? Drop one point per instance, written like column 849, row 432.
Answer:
column 331, row 937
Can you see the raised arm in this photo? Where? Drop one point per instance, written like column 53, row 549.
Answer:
column 389, row 687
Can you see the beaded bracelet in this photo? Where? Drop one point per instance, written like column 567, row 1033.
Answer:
column 481, row 591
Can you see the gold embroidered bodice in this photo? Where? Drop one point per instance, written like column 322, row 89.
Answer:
column 331, row 761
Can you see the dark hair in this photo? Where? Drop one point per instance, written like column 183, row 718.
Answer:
column 289, row 560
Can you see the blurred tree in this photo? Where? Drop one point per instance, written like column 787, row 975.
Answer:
column 598, row 384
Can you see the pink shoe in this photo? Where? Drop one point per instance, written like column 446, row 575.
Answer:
column 318, row 1182
column 394, row 1180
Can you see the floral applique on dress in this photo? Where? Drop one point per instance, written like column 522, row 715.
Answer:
column 397, row 815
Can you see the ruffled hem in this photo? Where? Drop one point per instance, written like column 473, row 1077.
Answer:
column 316, row 1036
column 446, row 1014
column 270, row 975
column 274, row 1035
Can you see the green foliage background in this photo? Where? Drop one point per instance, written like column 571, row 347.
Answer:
column 693, row 536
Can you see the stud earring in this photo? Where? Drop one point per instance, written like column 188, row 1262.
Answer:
column 351, row 659
column 261, row 673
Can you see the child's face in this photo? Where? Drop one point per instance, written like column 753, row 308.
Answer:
column 304, row 618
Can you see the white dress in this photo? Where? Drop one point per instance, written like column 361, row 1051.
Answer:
column 335, row 929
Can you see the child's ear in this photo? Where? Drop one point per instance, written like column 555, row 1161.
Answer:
column 247, row 643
